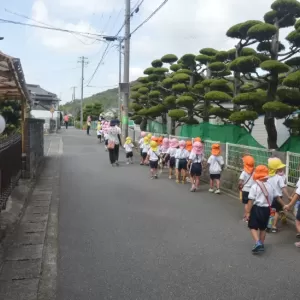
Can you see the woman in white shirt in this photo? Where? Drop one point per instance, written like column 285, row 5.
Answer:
column 195, row 165
column 261, row 196
column 113, row 142
column 181, row 157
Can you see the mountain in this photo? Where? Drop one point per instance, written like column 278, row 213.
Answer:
column 108, row 99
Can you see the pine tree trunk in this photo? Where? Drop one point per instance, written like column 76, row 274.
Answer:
column 173, row 127
column 164, row 122
column 143, row 125
column 272, row 89
column 206, row 103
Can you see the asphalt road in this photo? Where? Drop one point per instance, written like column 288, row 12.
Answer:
column 124, row 236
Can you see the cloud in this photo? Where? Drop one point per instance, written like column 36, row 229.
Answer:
column 60, row 41
column 86, row 6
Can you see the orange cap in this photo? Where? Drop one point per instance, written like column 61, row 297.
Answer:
column 248, row 164
column 189, row 146
column 215, row 149
column 261, row 172
column 197, row 139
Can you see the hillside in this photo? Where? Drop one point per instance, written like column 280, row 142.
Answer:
column 109, row 99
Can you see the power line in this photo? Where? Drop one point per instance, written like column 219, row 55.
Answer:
column 31, row 19
column 89, row 34
column 144, row 22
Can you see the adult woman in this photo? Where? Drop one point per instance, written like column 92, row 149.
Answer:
column 114, row 141
column 88, row 125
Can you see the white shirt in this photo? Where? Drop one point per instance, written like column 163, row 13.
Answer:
column 128, row 147
column 195, row 158
column 258, row 197
column 141, row 142
column 113, row 133
column 153, row 156
column 182, row 154
column 145, row 148
column 277, row 183
column 172, row 152
column 164, row 150
column 247, row 181
column 215, row 164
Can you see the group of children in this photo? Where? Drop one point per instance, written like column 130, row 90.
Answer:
column 185, row 160
column 263, row 189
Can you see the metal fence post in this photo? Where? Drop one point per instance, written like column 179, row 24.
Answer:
column 227, row 153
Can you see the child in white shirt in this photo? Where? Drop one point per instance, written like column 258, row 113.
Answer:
column 128, row 146
column 141, row 143
column 261, row 196
column 153, row 157
column 171, row 152
column 216, row 165
column 277, row 182
column 145, row 149
column 246, row 181
column 195, row 165
column 181, row 157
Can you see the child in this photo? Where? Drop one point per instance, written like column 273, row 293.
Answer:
column 296, row 210
column 277, row 182
column 145, row 149
column 261, row 195
column 188, row 147
column 195, row 165
column 181, row 156
column 152, row 157
column 216, row 165
column 128, row 149
column 106, row 136
column 246, row 181
column 141, row 143
column 164, row 151
column 99, row 130
column 171, row 152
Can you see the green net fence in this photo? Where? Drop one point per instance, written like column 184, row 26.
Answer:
column 222, row 133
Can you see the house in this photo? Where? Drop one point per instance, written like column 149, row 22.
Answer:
column 42, row 99
column 45, row 106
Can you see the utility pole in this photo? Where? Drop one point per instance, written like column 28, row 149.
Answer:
column 120, row 79
column 73, row 94
column 126, row 69
column 83, row 61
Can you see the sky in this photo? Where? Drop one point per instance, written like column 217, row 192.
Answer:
column 50, row 58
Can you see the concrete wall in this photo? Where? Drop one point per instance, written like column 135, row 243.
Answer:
column 34, row 146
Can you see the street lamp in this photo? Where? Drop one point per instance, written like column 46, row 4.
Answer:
column 2, row 124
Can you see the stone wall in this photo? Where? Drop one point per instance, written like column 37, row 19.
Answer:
column 34, row 146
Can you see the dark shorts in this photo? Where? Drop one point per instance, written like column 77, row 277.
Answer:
column 141, row 151
column 196, row 169
column 129, row 154
column 182, row 164
column 298, row 214
column 245, row 197
column 153, row 164
column 106, row 142
column 215, row 176
column 144, row 155
column 277, row 205
column 259, row 218
column 172, row 162
column 166, row 157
